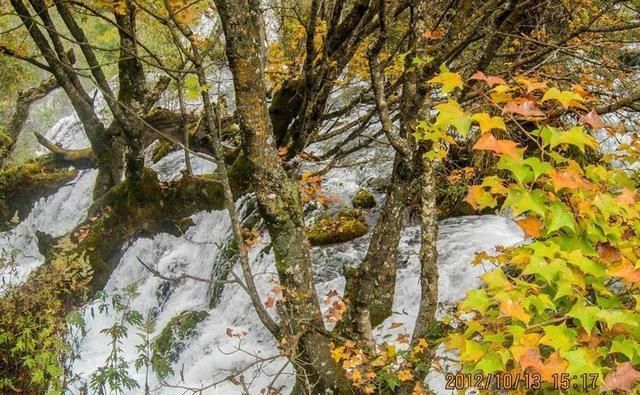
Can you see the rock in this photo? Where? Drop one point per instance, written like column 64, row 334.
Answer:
column 344, row 226
column 162, row 149
column 173, row 340
column 363, row 199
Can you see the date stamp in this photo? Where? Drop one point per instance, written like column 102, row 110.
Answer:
column 520, row 381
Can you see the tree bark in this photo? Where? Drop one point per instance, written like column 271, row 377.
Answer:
column 278, row 198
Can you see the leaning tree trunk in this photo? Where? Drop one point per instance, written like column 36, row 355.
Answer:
column 279, row 201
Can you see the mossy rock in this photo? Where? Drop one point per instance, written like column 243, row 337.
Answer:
column 363, row 199
column 5, row 144
column 162, row 149
column 339, row 228
column 173, row 339
column 22, row 185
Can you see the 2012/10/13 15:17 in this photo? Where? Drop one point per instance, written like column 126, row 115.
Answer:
column 516, row 381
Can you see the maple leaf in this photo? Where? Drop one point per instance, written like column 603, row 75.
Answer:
column 433, row 34
column 566, row 98
column 405, row 375
column 338, row 353
column 447, row 79
column 626, row 271
column 622, row 378
column 608, row 253
column 487, row 142
column 419, row 389
column 592, row 119
column 478, row 198
column 627, row 196
column 568, row 178
column 271, row 299
column 514, row 309
column 527, row 109
column 395, row 325
column 530, row 225
column 501, row 94
column 530, row 84
column 488, row 123
column 490, row 80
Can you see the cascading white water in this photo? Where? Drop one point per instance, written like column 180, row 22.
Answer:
column 210, row 355
column 55, row 216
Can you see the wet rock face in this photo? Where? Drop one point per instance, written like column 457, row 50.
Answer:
column 344, row 226
column 363, row 199
column 173, row 340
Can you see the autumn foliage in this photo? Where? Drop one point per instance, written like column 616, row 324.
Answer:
column 566, row 301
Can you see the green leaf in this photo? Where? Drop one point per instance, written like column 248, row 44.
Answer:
column 549, row 271
column 521, row 172
column 560, row 218
column 581, row 361
column 627, row 347
column 576, row 136
column 521, row 201
column 539, row 168
column 477, row 299
column 490, row 363
column 451, row 114
column 613, row 317
column 559, row 337
column 496, row 280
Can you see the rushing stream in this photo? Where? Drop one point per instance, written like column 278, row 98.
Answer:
column 228, row 337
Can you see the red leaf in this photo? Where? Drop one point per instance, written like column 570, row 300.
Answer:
column 490, row 80
column 622, row 378
column 526, row 109
column 592, row 119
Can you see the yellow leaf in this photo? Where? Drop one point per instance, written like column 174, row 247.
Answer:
column 566, row 98
column 530, row 84
column 405, row 375
column 447, row 79
column 488, row 123
column 501, row 94
column 337, row 353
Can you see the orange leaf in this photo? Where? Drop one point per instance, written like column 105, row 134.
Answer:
column 433, row 34
column 514, row 309
column 626, row 271
column 527, row 109
column 569, row 178
column 270, row 301
column 628, row 196
column 592, row 119
column 530, row 226
column 395, row 325
column 489, row 143
column 490, row 80
column 554, row 365
column 622, row 378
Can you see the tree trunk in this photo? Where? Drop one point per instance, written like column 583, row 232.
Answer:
column 278, row 198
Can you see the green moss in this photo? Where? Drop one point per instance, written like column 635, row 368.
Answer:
column 21, row 185
column 239, row 175
column 5, row 143
column 363, row 199
column 339, row 228
column 162, row 149
column 173, row 340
